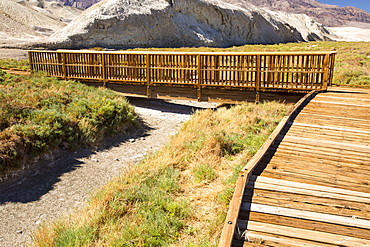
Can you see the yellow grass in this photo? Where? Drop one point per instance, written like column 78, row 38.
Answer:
column 174, row 184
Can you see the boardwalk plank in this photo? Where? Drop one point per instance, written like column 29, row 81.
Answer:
column 277, row 240
column 304, row 224
column 317, row 236
column 303, row 191
column 302, row 201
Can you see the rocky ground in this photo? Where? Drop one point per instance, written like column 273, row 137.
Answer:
column 54, row 188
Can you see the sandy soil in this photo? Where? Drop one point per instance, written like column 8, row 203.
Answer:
column 55, row 188
column 13, row 53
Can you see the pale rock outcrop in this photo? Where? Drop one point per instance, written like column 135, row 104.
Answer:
column 177, row 23
column 29, row 21
column 26, row 17
column 53, row 9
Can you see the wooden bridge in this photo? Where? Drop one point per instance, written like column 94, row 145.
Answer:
column 309, row 185
column 206, row 76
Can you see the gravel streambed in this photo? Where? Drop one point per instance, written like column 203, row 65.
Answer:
column 56, row 187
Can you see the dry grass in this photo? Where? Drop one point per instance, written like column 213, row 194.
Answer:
column 177, row 196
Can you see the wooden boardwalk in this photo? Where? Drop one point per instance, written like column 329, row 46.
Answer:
column 310, row 184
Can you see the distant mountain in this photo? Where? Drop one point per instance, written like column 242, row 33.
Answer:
column 82, row 4
column 329, row 15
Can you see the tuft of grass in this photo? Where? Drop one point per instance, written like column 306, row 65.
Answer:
column 14, row 64
column 41, row 114
column 204, row 172
column 179, row 195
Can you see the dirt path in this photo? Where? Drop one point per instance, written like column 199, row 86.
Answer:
column 66, row 183
column 17, row 54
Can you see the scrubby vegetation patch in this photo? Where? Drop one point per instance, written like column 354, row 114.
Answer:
column 40, row 114
column 179, row 195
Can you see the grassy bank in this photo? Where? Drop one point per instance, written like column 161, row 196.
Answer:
column 177, row 196
column 40, row 114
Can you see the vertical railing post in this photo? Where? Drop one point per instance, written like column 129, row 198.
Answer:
column 148, row 89
column 30, row 59
column 199, row 86
column 64, row 68
column 331, row 69
column 258, row 78
column 103, row 69
column 217, row 70
column 326, row 72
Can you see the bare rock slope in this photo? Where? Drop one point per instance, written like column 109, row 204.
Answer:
column 22, row 21
column 177, row 23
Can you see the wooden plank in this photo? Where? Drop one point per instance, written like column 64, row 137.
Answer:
column 294, row 202
column 308, row 186
column 306, row 224
column 304, row 191
column 325, row 143
column 337, row 180
column 266, row 239
column 345, row 153
column 307, row 202
column 358, row 171
column 323, row 181
column 340, row 103
column 335, row 118
column 317, row 236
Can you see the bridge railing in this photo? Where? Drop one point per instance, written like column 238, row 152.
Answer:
column 253, row 71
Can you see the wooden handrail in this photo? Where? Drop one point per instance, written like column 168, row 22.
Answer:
column 263, row 71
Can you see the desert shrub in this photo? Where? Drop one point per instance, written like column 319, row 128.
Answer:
column 41, row 114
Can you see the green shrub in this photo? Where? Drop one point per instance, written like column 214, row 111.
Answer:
column 40, row 114
column 204, row 172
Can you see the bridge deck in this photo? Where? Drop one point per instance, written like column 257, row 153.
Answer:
column 312, row 187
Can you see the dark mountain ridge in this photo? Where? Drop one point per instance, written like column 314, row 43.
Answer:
column 329, row 15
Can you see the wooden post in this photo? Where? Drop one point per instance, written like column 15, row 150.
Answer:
column 30, row 59
column 331, row 69
column 148, row 89
column 103, row 69
column 326, row 72
column 217, row 70
column 258, row 78
column 64, row 68
column 200, row 78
